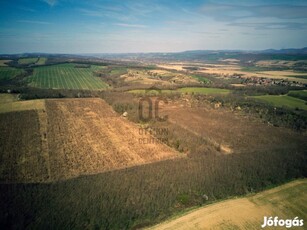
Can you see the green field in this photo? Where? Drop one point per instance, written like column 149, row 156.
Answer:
column 284, row 101
column 203, row 90
column 41, row 61
column 201, row 79
column 26, row 61
column 301, row 94
column 196, row 90
column 66, row 76
column 7, row 73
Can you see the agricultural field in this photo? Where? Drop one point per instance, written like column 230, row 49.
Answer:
column 66, row 76
column 206, row 91
column 10, row 104
column 41, row 61
column 3, row 63
column 236, row 69
column 284, row 101
column 82, row 136
column 287, row 202
column 27, row 61
column 7, row 98
column 7, row 73
column 301, row 94
column 22, row 158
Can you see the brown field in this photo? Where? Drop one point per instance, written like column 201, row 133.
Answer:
column 74, row 137
column 287, row 201
column 3, row 63
column 234, row 69
column 231, row 131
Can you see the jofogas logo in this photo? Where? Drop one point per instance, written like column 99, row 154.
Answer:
column 276, row 222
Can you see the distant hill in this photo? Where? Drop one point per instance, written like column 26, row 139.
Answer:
column 200, row 55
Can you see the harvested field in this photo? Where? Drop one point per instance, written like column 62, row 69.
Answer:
column 72, row 138
column 234, row 69
column 286, row 202
column 85, row 136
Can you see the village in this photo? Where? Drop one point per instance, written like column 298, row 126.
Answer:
column 262, row 81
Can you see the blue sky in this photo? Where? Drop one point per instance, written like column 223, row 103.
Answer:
column 113, row 26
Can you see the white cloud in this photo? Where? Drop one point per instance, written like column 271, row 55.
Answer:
column 130, row 25
column 50, row 2
column 35, row 22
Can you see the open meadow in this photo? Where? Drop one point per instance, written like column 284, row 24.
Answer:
column 27, row 61
column 7, row 73
column 284, row 101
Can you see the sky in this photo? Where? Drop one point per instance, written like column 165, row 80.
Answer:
column 131, row 26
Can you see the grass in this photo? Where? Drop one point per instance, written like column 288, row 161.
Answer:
column 9, row 103
column 204, row 90
column 7, row 98
column 7, row 73
column 151, row 92
column 298, row 76
column 254, row 68
column 66, row 76
column 284, row 101
column 26, row 61
column 286, row 202
column 194, row 90
column 41, row 61
column 201, row 79
column 301, row 94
